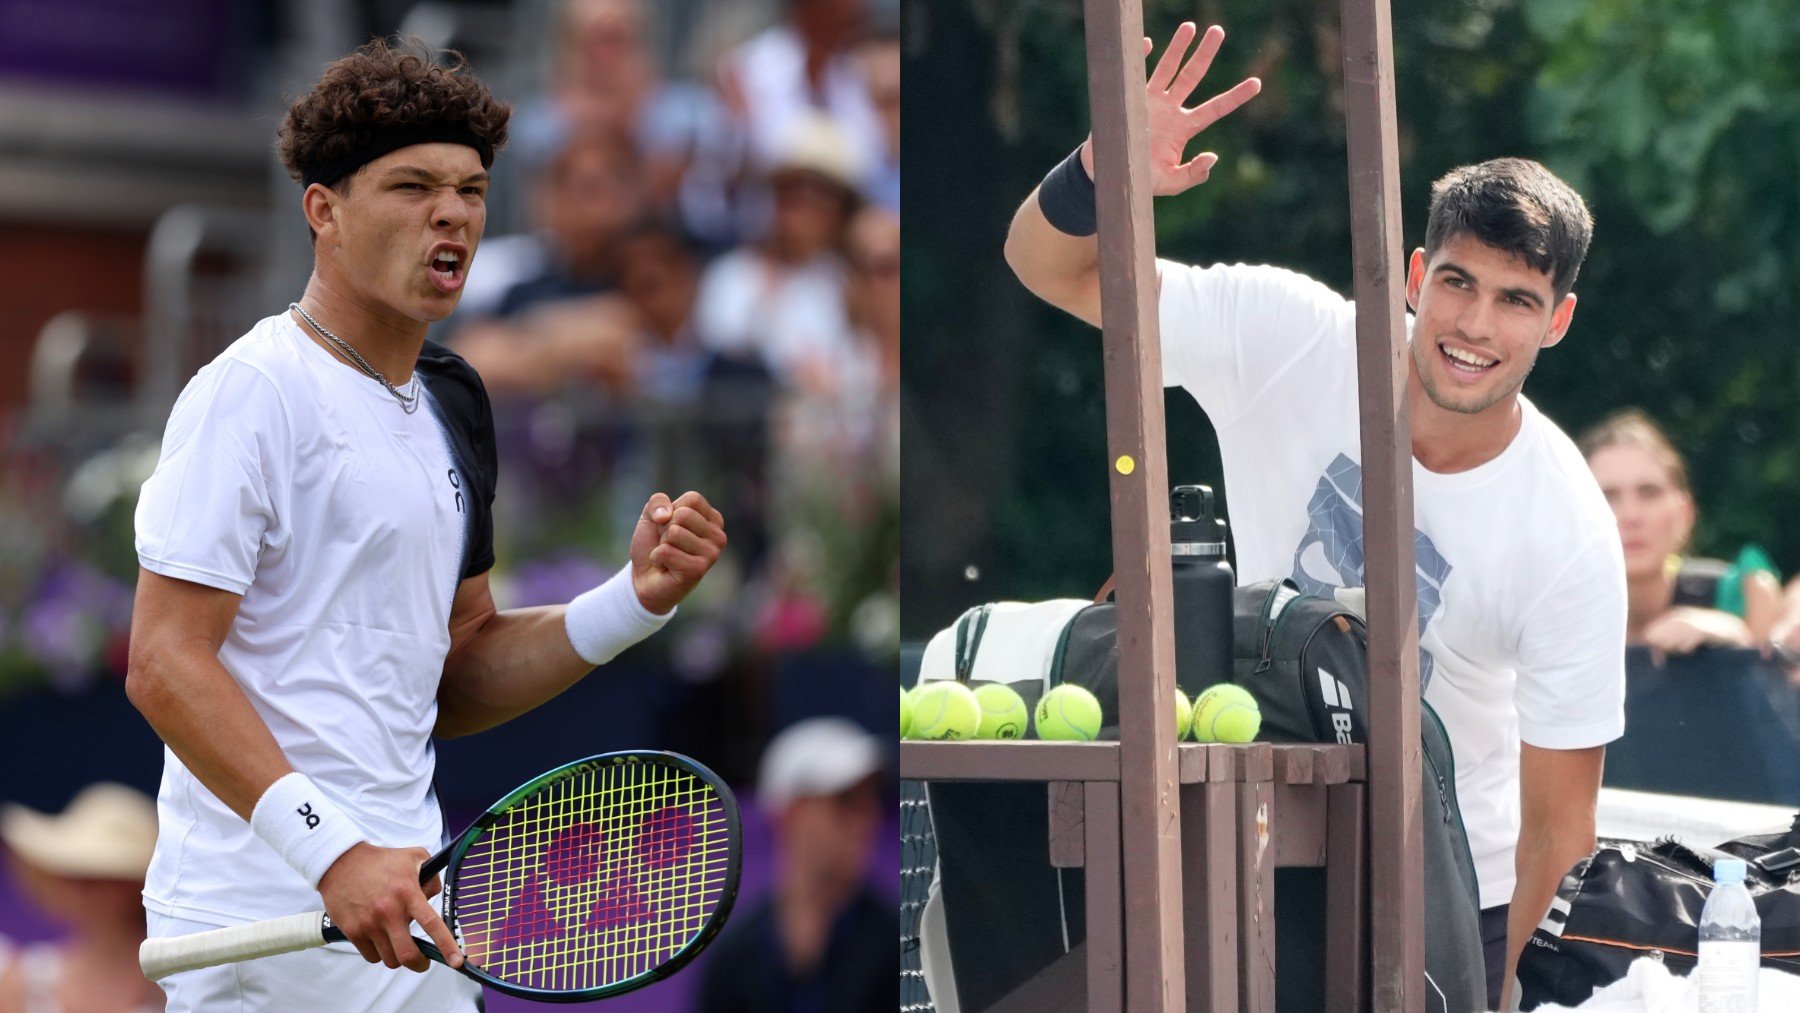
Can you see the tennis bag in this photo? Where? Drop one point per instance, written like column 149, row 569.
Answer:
column 1629, row 900
column 1304, row 659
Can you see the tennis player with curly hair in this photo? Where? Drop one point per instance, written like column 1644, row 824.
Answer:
column 313, row 603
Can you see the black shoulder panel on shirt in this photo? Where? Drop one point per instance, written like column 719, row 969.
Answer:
column 459, row 394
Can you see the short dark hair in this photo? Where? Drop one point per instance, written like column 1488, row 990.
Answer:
column 1515, row 205
column 382, row 87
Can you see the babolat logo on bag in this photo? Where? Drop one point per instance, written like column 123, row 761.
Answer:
column 1337, row 703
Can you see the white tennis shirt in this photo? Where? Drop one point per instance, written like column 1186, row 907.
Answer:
column 1521, row 578
column 297, row 482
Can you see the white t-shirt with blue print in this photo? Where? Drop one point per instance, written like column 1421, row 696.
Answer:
column 1520, row 573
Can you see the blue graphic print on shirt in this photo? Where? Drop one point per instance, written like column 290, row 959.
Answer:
column 1331, row 554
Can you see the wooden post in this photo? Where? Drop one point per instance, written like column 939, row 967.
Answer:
column 1138, row 466
column 1396, row 888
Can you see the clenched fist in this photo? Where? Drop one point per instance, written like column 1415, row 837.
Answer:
column 674, row 545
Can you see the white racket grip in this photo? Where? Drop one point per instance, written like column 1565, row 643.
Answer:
column 168, row 955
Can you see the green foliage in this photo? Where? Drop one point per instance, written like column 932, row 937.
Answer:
column 1678, row 120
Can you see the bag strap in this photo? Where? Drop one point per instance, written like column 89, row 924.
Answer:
column 968, row 642
column 1106, row 590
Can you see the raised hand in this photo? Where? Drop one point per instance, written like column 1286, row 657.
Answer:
column 1171, row 123
column 675, row 544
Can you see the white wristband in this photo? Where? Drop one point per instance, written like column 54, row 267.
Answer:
column 303, row 826
column 608, row 619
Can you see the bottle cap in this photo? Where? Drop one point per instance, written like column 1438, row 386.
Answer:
column 1192, row 521
column 1729, row 870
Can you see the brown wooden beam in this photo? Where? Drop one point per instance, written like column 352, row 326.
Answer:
column 1138, row 467
column 1346, row 900
column 1028, row 760
column 1395, row 887
column 1209, row 887
column 1105, row 962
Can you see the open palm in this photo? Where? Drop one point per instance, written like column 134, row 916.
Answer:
column 1171, row 123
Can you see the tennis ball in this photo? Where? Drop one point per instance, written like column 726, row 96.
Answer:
column 1003, row 714
column 1184, row 715
column 1068, row 713
column 945, row 710
column 1226, row 713
column 906, row 709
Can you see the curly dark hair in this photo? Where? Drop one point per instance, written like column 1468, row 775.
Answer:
column 381, row 87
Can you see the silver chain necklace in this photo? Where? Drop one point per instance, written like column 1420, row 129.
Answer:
column 409, row 403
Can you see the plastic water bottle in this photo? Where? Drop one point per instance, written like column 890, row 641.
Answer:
column 1203, row 586
column 1730, row 943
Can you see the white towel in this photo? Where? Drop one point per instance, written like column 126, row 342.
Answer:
column 1649, row 987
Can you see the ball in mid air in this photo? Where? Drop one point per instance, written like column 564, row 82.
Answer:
column 1226, row 713
column 945, row 711
column 1068, row 713
column 1003, row 713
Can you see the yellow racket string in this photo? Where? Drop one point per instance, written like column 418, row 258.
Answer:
column 595, row 879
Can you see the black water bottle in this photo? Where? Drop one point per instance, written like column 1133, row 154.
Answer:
column 1203, row 589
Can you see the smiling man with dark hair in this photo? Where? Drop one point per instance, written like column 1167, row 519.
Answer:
column 313, row 601
column 1521, row 585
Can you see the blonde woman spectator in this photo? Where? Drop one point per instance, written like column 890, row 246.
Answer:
column 84, row 868
column 1677, row 603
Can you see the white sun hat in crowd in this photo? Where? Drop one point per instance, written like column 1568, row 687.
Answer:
column 814, row 143
column 107, row 832
column 818, row 756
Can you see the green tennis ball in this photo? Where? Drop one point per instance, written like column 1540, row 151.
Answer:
column 906, row 709
column 945, row 711
column 1184, row 715
column 1226, row 713
column 1003, row 714
column 1068, row 713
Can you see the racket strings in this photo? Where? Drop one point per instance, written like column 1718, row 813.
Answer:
column 595, row 879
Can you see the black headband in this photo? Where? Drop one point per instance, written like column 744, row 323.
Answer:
column 393, row 139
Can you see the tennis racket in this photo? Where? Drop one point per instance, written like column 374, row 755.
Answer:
column 597, row 878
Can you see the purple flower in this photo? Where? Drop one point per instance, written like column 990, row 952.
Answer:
column 68, row 619
column 557, row 580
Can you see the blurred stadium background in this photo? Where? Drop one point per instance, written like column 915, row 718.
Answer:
column 659, row 158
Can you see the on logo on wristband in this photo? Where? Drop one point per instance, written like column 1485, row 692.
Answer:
column 312, row 818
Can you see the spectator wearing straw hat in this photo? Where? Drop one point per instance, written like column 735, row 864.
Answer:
column 822, row 940
column 781, row 303
column 85, row 868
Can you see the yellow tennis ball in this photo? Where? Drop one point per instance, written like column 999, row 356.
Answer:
column 1226, row 713
column 1184, row 715
column 906, row 711
column 1068, row 713
column 1003, row 713
column 945, row 711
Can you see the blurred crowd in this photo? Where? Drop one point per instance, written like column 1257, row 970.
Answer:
column 709, row 295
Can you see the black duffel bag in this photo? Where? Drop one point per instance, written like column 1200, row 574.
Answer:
column 1629, row 900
